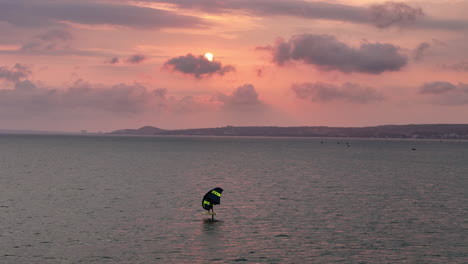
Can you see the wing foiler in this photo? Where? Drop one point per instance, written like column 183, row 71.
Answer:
column 211, row 198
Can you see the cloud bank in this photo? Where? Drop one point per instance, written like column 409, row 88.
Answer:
column 445, row 93
column 26, row 100
column 394, row 14
column 325, row 92
column 120, row 99
column 51, row 40
column 327, row 53
column 197, row 66
column 243, row 96
column 14, row 74
column 32, row 13
column 383, row 15
column 458, row 67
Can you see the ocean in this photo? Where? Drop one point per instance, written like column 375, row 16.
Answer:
column 137, row 199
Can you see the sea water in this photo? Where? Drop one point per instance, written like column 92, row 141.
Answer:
column 130, row 199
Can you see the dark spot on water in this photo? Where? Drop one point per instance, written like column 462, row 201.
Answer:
column 282, row 235
column 241, row 259
column 404, row 244
column 216, row 259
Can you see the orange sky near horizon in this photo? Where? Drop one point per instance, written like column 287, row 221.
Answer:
column 129, row 63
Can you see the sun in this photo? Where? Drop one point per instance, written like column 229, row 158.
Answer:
column 209, row 56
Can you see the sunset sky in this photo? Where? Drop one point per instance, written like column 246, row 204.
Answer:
column 102, row 65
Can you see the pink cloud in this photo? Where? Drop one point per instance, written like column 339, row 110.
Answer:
column 325, row 92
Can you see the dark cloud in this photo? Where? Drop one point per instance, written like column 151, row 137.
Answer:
column 136, row 59
column 418, row 53
column 226, row 69
column 56, row 34
column 304, row 9
column 32, row 13
column 25, row 85
column 445, row 93
column 394, row 13
column 49, row 41
column 327, row 53
column 388, row 14
column 281, row 52
column 442, row 24
column 242, row 96
column 437, row 88
column 16, row 73
column 324, row 92
column 160, row 93
column 260, row 71
column 459, row 66
column 197, row 66
column 384, row 15
column 114, row 60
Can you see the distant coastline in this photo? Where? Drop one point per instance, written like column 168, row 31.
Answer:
column 423, row 131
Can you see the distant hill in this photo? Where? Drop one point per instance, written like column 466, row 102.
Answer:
column 30, row 132
column 146, row 130
column 430, row 131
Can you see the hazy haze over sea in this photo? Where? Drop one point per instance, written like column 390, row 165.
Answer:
column 124, row 199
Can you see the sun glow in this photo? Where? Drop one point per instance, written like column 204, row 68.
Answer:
column 209, row 56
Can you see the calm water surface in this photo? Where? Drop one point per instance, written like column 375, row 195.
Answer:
column 105, row 199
